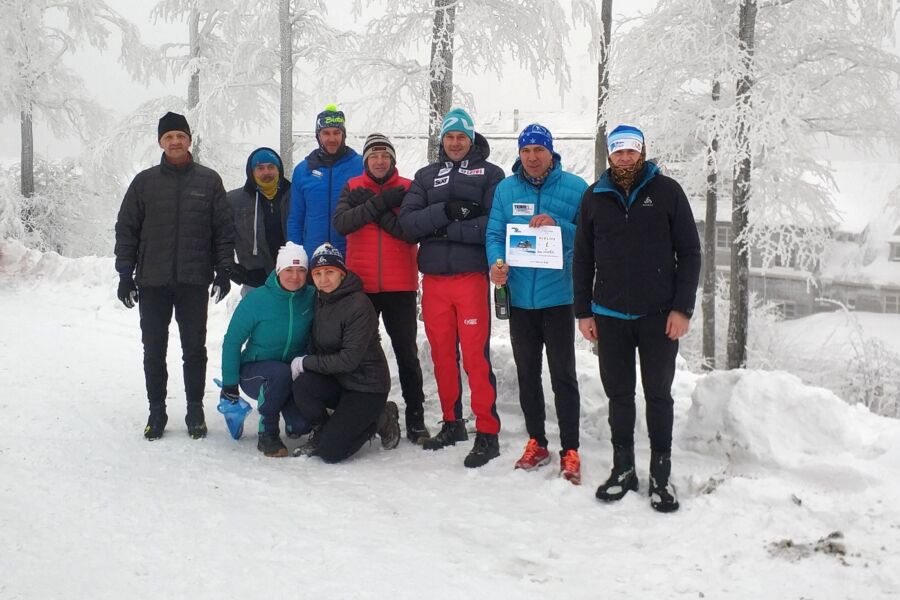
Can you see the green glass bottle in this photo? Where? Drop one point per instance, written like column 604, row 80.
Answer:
column 501, row 298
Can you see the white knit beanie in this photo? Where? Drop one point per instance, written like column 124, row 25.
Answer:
column 291, row 255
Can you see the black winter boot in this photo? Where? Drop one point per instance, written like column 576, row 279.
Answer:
column 311, row 446
column 270, row 444
column 416, row 432
column 450, row 433
column 662, row 492
column 622, row 478
column 156, row 425
column 486, row 447
column 195, row 421
column 389, row 426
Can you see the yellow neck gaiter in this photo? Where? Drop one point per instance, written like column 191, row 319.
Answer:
column 268, row 189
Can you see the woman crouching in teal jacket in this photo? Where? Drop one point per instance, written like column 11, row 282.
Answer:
column 269, row 328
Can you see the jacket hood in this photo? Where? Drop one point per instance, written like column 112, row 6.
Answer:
column 250, row 183
column 480, row 150
column 351, row 284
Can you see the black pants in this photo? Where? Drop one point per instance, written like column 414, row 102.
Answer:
column 353, row 422
column 398, row 312
column 189, row 303
column 617, row 340
column 530, row 331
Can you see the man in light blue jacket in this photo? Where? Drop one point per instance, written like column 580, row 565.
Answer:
column 540, row 194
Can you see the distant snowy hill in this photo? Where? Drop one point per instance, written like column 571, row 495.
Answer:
column 787, row 492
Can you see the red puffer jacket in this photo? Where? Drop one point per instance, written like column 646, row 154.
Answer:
column 378, row 250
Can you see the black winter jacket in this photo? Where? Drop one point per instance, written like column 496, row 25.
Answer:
column 638, row 259
column 250, row 241
column 345, row 341
column 174, row 226
column 450, row 247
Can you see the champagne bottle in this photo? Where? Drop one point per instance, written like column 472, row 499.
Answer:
column 501, row 297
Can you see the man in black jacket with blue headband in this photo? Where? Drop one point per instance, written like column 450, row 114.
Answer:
column 636, row 270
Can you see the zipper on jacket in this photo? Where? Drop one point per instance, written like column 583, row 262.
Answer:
column 378, row 258
column 330, row 207
column 537, row 211
column 290, row 335
column 178, row 188
column 256, row 224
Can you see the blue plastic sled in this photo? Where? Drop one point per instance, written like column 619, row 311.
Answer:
column 234, row 414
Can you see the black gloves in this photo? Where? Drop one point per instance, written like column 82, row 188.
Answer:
column 393, row 197
column 127, row 292
column 231, row 393
column 379, row 204
column 252, row 277
column 256, row 278
column 462, row 210
column 221, row 286
column 238, row 274
column 359, row 195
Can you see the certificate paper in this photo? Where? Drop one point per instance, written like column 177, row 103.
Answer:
column 536, row 247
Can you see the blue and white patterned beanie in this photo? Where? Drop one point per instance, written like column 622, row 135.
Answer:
column 625, row 137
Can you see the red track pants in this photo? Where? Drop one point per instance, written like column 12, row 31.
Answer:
column 456, row 311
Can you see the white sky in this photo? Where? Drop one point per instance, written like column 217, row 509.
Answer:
column 114, row 90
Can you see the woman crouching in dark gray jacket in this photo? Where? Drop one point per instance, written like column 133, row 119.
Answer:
column 345, row 370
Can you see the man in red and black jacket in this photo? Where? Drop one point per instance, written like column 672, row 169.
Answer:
column 384, row 257
column 447, row 209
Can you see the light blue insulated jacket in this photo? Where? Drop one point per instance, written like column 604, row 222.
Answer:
column 559, row 197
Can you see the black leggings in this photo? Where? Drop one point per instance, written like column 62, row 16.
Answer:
column 353, row 422
column 617, row 340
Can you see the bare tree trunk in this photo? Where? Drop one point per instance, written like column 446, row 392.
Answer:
column 440, row 72
column 740, row 253
column 708, row 299
column 194, row 82
column 287, row 84
column 602, row 90
column 26, row 167
column 27, row 157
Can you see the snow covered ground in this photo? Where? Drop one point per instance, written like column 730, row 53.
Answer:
column 767, row 469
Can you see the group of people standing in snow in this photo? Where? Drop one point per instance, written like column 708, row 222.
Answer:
column 309, row 352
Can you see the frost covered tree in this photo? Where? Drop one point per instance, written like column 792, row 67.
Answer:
column 240, row 59
column 463, row 36
column 602, row 84
column 36, row 37
column 819, row 68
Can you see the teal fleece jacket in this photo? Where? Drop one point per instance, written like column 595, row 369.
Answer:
column 270, row 323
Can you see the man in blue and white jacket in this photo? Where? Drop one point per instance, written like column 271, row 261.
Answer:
column 317, row 183
column 540, row 194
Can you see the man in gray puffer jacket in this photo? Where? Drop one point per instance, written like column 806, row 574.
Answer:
column 174, row 236
column 260, row 210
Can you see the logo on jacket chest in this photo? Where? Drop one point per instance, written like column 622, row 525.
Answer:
column 438, row 182
column 471, row 172
column 522, row 209
column 317, row 173
column 648, row 202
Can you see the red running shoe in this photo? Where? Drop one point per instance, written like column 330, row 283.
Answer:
column 570, row 467
column 533, row 457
